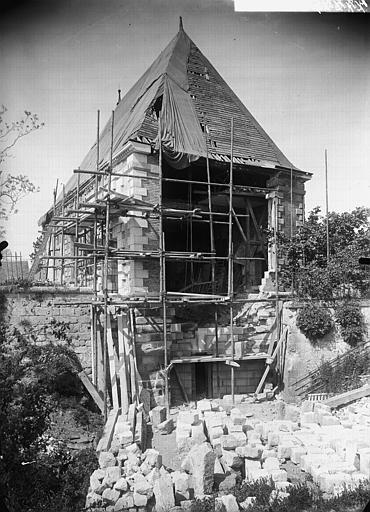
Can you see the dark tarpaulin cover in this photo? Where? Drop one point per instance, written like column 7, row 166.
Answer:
column 182, row 138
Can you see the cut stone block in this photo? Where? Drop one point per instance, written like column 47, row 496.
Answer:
column 364, row 454
column 197, row 433
column 229, row 502
column 125, row 502
column 284, row 451
column 292, row 413
column 181, row 483
column 307, row 418
column 204, row 405
column 110, row 496
column 219, row 470
column 231, row 459
column 125, row 438
column 188, row 417
column 215, row 433
column 163, row 490
column 159, row 415
column 296, row 454
column 112, row 475
column 166, row 427
column 201, row 462
column 268, row 453
column 271, row 463
column 272, row 439
column 231, row 441
column 328, row 420
column 121, row 485
column 251, row 466
column 106, row 460
column 248, row 451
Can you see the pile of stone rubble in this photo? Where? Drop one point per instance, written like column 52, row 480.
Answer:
column 218, row 446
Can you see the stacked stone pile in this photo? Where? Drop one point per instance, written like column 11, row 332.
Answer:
column 333, row 448
column 128, row 479
column 218, row 447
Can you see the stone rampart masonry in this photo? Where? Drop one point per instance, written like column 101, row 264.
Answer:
column 33, row 312
column 302, row 356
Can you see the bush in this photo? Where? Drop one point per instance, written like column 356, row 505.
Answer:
column 314, row 321
column 34, row 475
column 57, row 480
column 260, row 489
column 351, row 323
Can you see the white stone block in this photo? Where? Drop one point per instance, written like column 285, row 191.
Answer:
column 296, row 454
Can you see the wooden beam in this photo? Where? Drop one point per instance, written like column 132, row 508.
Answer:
column 112, row 355
column 348, row 396
column 91, row 389
column 239, row 226
column 106, row 439
column 122, row 333
column 256, row 227
column 99, row 358
column 270, row 360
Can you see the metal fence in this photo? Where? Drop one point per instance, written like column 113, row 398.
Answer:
column 14, row 268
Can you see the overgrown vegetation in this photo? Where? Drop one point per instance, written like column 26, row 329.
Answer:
column 314, row 321
column 345, row 375
column 37, row 473
column 351, row 322
column 312, row 276
column 302, row 497
column 306, row 266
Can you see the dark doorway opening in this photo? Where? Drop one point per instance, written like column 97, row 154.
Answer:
column 201, row 381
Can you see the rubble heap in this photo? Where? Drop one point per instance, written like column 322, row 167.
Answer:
column 218, row 447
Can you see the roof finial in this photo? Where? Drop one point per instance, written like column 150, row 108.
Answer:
column 180, row 24
column 119, row 96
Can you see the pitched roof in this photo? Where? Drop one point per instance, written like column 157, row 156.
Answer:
column 193, row 94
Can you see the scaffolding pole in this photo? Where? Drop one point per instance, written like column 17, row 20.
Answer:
column 327, row 208
column 53, row 233
column 230, row 260
column 77, row 229
column 162, row 269
column 95, row 261
column 105, row 273
column 61, row 251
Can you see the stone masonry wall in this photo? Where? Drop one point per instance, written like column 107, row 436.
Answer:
column 286, row 211
column 139, row 277
column 303, row 357
column 41, row 312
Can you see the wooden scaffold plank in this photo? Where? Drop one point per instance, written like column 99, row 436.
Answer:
column 112, row 355
column 123, row 360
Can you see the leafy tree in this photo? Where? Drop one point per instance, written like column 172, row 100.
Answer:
column 37, row 473
column 305, row 264
column 13, row 188
column 24, row 411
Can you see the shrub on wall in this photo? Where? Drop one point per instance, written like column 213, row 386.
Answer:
column 314, row 321
column 351, row 323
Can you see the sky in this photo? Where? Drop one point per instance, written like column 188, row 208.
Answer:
column 305, row 77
